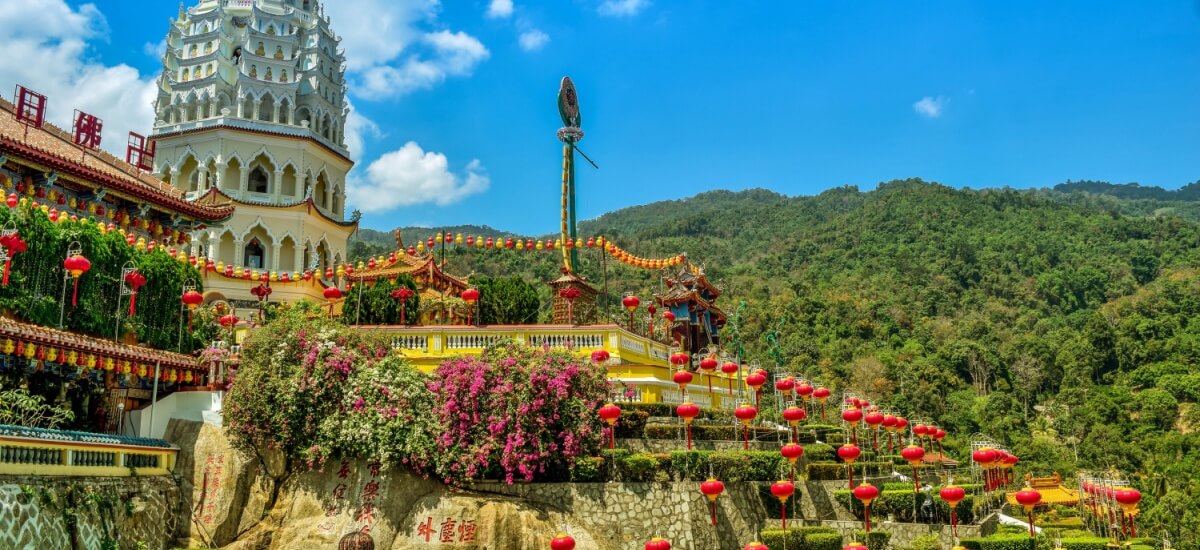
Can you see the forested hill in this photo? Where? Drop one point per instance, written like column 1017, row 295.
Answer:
column 1189, row 192
column 1130, row 199
column 1057, row 325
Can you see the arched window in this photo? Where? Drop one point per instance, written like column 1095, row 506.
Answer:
column 254, row 256
column 192, row 51
column 258, row 180
column 208, row 47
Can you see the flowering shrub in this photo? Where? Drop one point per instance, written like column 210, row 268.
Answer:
column 515, row 412
column 314, row 388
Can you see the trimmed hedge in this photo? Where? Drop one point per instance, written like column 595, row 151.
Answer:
column 728, row 466
column 823, row 541
column 829, row 471
column 1011, row 541
column 875, row 540
column 1085, row 543
column 722, row 432
column 900, row 503
column 797, row 537
column 632, row 424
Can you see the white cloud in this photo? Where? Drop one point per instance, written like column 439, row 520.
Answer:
column 500, row 8
column 532, row 40
column 411, row 176
column 620, row 8
column 358, row 129
column 930, row 107
column 46, row 48
column 155, row 50
column 401, row 53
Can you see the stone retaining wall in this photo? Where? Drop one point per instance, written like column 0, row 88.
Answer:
column 665, row 446
column 34, row 511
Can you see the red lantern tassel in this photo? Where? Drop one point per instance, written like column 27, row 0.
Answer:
column 890, row 442
column 822, row 412
column 953, row 521
column 712, row 504
column 783, row 511
column 916, row 480
column 746, row 436
column 612, row 436
column 190, row 314
column 850, row 468
column 1031, row 533
column 867, row 517
column 1132, row 528
column 730, row 386
column 875, row 440
column 75, row 293
column 7, row 264
column 757, row 398
column 132, row 302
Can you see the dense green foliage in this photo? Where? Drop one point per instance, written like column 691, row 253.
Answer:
column 373, row 304
column 36, row 291
column 1062, row 323
column 506, row 300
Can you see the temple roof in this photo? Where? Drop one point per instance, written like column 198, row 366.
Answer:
column 419, row 265
column 55, row 149
column 40, row 335
column 215, row 197
column 1051, row 489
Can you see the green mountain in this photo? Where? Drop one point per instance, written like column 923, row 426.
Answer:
column 1065, row 323
column 1130, row 199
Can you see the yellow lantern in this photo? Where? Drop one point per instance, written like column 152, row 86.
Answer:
column 361, row 266
column 9, row 346
column 439, row 237
column 52, row 355
column 220, row 267
column 30, row 350
column 578, row 243
column 172, row 376
column 479, row 241
column 341, row 271
column 296, row 276
column 187, row 376
column 274, row 277
column 520, row 244
column 72, row 357
column 91, row 361
column 109, row 363
column 141, row 369
column 125, row 368
column 420, row 247
column 539, row 245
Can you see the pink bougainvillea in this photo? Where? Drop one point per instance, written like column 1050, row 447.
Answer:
column 515, row 412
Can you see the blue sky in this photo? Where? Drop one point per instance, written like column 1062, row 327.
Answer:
column 456, row 112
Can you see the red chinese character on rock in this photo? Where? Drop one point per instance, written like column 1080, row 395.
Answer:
column 374, row 468
column 31, row 107
column 365, row 514
column 87, row 129
column 140, row 152
column 466, row 531
column 448, row 530
column 344, row 470
column 339, row 492
column 426, row 529
column 370, row 490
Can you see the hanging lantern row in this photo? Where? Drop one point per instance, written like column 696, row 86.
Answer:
column 996, row 465
column 1113, row 502
column 428, row 245
column 85, row 361
column 116, row 219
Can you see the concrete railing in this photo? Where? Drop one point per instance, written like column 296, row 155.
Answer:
column 32, row 451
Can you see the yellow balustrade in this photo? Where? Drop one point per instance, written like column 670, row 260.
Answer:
column 635, row 360
column 36, row 456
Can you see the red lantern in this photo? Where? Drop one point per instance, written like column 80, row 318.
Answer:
column 1029, row 499
column 849, row 453
column 600, row 356
column 610, row 413
column 822, row 395
column 680, row 358
column 939, row 435
column 785, row 385
column 631, row 304
column 755, row 546
column 76, row 266
column 729, row 368
column 470, row 296
column 712, row 489
column 746, row 414
column 866, row 494
column 855, row 546
column 135, row 281
column 913, row 454
column 688, row 412
column 852, row 416
column 1128, row 500
column 794, row 415
column 228, row 321
column 709, row 363
column 11, row 201
column 15, row 245
column 683, row 378
column 403, row 294
column 756, row 380
column 657, row 543
column 333, row 293
column 783, row 490
column 874, row 420
column 953, row 494
column 508, row 243
column 792, row 452
column 562, row 541
column 192, row 300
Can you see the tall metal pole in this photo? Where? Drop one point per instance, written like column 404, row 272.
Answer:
column 154, row 397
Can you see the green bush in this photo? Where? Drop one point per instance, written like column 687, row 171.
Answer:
column 903, row 503
column 875, row 540
column 638, row 467
column 827, row 471
column 1085, row 543
column 1011, row 541
column 714, row 433
column 588, row 469
column 823, row 541
column 819, row 452
column 798, row 537
column 632, row 424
